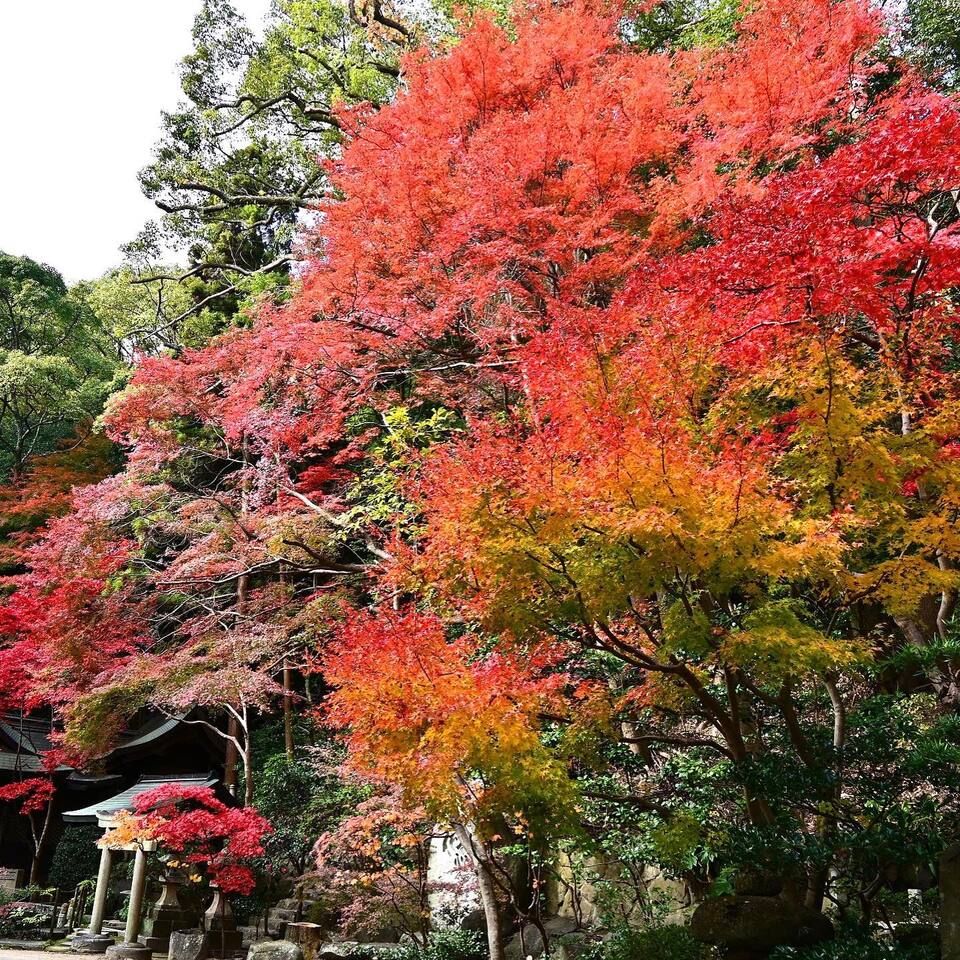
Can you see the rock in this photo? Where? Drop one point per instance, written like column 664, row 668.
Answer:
column 337, row 951
column 913, row 935
column 274, row 950
column 757, row 883
column 383, row 934
column 532, row 942
column 188, row 945
column 753, row 926
column 570, row 946
column 352, row 950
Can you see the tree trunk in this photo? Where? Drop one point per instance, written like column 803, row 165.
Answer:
column 488, row 891
column 230, row 758
column 40, row 844
column 247, row 762
column 288, row 709
column 950, row 903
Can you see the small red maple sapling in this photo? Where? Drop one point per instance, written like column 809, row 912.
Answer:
column 205, row 833
column 35, row 798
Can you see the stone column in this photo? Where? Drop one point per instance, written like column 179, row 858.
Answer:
column 100, row 895
column 130, row 949
column 137, row 889
column 94, row 940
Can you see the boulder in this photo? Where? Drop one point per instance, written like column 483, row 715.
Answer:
column 350, row 949
column 274, row 950
column 750, row 927
column 914, row 935
column 338, row 951
column 570, row 946
column 559, row 929
column 188, row 945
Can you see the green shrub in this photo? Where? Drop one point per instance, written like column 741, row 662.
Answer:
column 76, row 857
column 444, row 944
column 657, row 942
column 23, row 920
column 853, row 947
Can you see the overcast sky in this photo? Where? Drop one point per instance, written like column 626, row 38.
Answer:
column 83, row 85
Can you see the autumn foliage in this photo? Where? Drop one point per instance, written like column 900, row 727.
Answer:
column 192, row 826
column 682, row 328
column 458, row 732
column 32, row 794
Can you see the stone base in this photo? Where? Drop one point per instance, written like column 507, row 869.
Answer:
column 158, row 929
column 156, row 944
column 223, row 943
column 91, row 942
column 129, row 951
column 162, row 922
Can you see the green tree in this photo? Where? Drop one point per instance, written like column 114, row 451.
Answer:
column 932, row 37
column 240, row 160
column 142, row 311
column 57, row 365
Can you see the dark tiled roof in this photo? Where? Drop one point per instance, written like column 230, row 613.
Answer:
column 152, row 731
column 124, row 800
column 30, row 735
column 77, row 778
column 27, row 762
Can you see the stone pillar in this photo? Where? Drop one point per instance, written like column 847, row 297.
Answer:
column 100, row 895
column 94, row 940
column 137, row 889
column 130, row 949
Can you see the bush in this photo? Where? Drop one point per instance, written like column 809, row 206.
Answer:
column 19, row 919
column 662, row 941
column 853, row 947
column 76, row 857
column 444, row 944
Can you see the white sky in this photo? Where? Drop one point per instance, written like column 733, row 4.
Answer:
column 83, row 83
